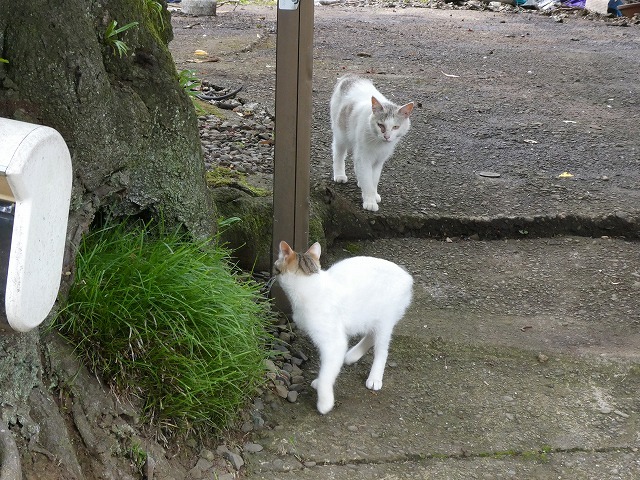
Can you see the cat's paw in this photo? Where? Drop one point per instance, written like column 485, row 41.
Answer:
column 314, row 384
column 378, row 198
column 370, row 205
column 325, row 405
column 340, row 178
column 374, row 383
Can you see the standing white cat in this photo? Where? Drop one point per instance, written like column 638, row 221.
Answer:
column 369, row 126
column 358, row 296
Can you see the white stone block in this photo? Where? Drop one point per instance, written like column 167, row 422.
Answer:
column 199, row 8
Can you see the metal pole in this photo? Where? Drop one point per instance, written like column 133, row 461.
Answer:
column 294, row 71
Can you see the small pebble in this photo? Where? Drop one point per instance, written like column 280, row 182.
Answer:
column 542, row 358
column 253, row 447
column 234, row 459
column 207, row 455
column 282, row 391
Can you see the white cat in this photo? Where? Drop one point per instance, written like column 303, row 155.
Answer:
column 369, row 126
column 358, row 296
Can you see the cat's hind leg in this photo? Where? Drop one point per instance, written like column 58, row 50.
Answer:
column 339, row 147
column 380, row 352
column 331, row 360
column 356, row 352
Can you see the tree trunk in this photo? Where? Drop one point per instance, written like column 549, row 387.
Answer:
column 133, row 136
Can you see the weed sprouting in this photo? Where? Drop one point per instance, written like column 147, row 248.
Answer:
column 111, row 37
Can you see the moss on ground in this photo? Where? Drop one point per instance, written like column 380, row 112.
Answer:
column 205, row 108
column 226, row 177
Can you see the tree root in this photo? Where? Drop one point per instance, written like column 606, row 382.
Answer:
column 10, row 468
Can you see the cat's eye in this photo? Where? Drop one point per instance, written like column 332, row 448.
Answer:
column 382, row 127
column 395, row 127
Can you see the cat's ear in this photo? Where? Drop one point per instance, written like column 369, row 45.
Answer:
column 285, row 249
column 406, row 110
column 314, row 251
column 376, row 106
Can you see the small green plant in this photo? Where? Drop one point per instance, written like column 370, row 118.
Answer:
column 189, row 82
column 111, row 37
column 191, row 85
column 137, row 455
column 165, row 319
column 3, row 60
column 155, row 8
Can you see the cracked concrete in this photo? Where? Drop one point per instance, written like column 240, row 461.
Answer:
column 518, row 359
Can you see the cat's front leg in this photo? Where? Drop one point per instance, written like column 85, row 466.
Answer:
column 339, row 155
column 370, row 200
column 326, row 399
column 369, row 196
column 331, row 360
column 366, row 183
column 376, row 172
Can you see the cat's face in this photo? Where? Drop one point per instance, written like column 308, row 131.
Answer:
column 390, row 121
column 289, row 261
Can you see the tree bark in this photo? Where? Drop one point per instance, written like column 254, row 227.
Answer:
column 133, row 136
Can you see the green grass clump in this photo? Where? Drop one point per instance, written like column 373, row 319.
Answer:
column 165, row 319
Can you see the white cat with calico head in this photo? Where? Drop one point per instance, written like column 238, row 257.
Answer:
column 359, row 296
column 369, row 126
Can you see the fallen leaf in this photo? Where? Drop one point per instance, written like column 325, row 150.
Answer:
column 565, row 175
column 200, row 52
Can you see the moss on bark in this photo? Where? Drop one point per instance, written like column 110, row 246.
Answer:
column 131, row 129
